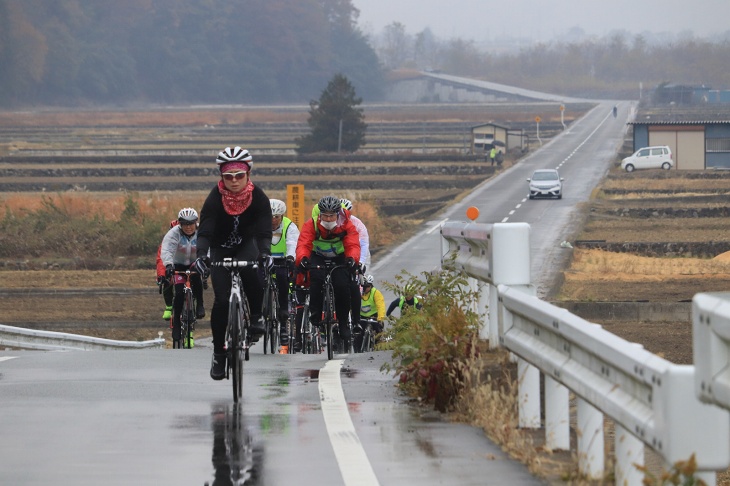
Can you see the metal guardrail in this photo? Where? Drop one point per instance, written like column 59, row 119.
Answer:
column 18, row 337
column 711, row 347
column 651, row 400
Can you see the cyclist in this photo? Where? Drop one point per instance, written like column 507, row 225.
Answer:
column 178, row 252
column 235, row 222
column 283, row 250
column 372, row 304
column 362, row 231
column 331, row 236
column 166, row 286
column 408, row 299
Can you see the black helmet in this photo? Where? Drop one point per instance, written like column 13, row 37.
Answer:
column 329, row 204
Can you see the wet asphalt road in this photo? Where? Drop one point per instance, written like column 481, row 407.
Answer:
column 155, row 417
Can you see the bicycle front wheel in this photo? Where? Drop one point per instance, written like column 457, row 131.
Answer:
column 188, row 316
column 275, row 325
column 329, row 320
column 367, row 341
column 236, row 349
column 306, row 330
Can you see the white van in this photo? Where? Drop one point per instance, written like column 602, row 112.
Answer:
column 659, row 157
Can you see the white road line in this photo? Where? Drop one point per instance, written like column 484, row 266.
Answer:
column 7, row 358
column 436, row 226
column 351, row 458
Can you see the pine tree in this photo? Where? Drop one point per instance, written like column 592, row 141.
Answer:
column 336, row 122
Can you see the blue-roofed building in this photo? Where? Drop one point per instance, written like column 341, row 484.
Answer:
column 698, row 134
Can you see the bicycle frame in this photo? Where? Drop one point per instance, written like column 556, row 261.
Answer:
column 187, row 315
column 328, row 308
column 270, row 311
column 239, row 321
column 368, row 335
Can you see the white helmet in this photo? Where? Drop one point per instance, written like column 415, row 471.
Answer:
column 347, row 204
column 278, row 207
column 236, row 154
column 187, row 215
column 368, row 280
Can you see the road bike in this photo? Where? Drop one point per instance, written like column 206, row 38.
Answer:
column 270, row 311
column 365, row 333
column 329, row 316
column 237, row 342
column 308, row 334
column 188, row 313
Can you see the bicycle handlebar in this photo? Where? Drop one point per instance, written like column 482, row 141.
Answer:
column 186, row 272
column 231, row 263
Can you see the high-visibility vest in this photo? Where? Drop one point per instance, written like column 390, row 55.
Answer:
column 279, row 250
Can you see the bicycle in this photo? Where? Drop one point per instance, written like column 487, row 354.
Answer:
column 237, row 341
column 366, row 332
column 329, row 316
column 270, row 311
column 188, row 313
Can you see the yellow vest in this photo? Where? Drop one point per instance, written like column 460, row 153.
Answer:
column 279, row 250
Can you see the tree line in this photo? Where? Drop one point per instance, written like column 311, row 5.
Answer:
column 141, row 52
column 71, row 52
column 614, row 66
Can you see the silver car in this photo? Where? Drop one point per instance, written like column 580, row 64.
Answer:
column 546, row 183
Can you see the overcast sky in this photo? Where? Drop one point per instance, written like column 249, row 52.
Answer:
column 543, row 20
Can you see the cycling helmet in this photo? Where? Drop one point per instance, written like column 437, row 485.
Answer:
column 368, row 280
column 278, row 208
column 236, row 154
column 329, row 204
column 347, row 204
column 187, row 215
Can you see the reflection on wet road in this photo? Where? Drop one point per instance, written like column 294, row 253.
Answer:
column 236, row 458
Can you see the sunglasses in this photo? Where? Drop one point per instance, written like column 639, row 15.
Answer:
column 233, row 176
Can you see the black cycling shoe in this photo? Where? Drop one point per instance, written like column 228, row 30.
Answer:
column 218, row 367
column 200, row 311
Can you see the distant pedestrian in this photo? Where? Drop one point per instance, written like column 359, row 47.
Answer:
column 493, row 154
column 499, row 158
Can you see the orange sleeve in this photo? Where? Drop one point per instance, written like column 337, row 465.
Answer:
column 160, row 266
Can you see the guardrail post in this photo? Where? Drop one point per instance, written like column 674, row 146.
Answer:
column 493, row 317
column 528, row 389
column 557, row 415
column 629, row 452
column 590, row 440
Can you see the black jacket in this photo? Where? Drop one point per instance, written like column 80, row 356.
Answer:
column 219, row 229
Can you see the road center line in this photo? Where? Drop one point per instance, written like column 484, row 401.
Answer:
column 351, row 458
column 7, row 358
